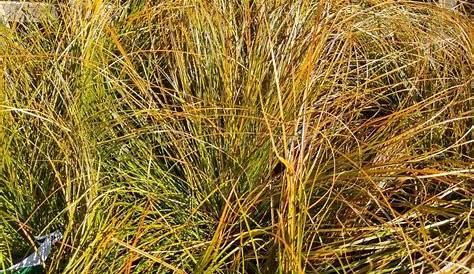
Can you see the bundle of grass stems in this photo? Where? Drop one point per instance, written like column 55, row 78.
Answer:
column 223, row 136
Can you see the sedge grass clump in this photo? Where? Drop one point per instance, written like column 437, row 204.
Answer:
column 249, row 137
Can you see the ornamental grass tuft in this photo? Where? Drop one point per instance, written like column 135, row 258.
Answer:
column 225, row 136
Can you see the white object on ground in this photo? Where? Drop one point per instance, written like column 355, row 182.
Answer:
column 41, row 254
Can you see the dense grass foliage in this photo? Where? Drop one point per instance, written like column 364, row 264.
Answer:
column 240, row 137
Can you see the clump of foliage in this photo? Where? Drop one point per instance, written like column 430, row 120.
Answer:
column 239, row 137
